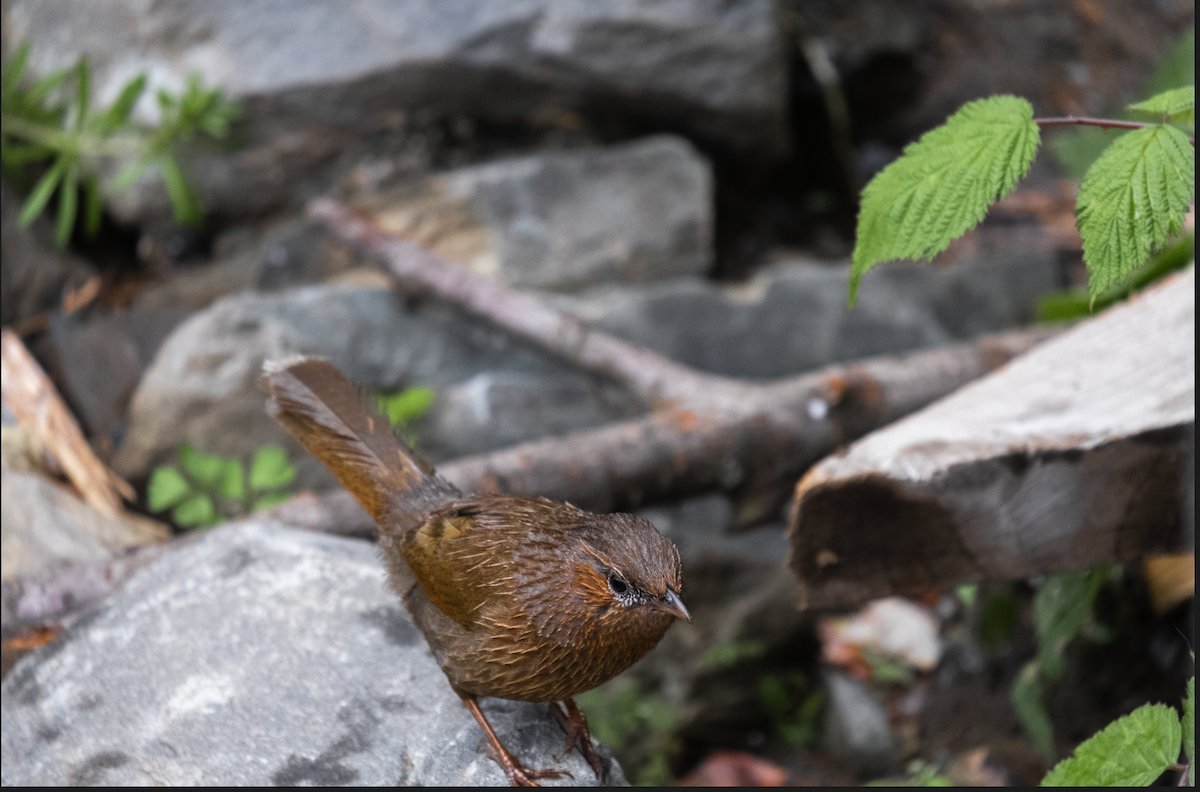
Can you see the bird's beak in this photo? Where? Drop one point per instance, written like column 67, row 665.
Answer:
column 673, row 605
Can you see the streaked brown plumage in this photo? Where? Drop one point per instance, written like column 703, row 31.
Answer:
column 519, row 598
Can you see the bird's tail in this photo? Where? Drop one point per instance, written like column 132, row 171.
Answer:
column 321, row 407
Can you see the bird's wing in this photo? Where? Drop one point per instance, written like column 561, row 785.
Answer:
column 460, row 563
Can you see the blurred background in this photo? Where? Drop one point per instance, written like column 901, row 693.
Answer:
column 683, row 175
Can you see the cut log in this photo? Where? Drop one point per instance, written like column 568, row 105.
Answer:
column 1074, row 454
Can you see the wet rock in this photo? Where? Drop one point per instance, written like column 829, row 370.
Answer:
column 856, row 726
column 257, row 655
column 792, row 316
column 638, row 212
column 202, row 387
column 46, row 528
column 33, row 276
column 335, row 75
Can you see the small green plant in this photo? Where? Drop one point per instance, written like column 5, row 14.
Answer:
column 1062, row 610
column 211, row 487
column 638, row 724
column 730, row 653
column 1132, row 199
column 404, row 407
column 919, row 773
column 51, row 126
column 794, row 707
column 1134, row 750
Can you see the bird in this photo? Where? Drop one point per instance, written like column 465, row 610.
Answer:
column 520, row 598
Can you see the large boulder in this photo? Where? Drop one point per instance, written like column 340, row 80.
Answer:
column 203, row 385
column 317, row 79
column 257, row 655
column 637, row 212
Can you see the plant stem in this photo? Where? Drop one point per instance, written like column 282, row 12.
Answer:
column 1103, row 123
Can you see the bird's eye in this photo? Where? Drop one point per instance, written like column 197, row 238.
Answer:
column 616, row 584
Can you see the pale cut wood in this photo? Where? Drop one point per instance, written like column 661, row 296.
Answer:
column 32, row 397
column 1073, row 454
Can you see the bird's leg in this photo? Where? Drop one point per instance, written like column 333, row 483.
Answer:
column 574, row 723
column 516, row 772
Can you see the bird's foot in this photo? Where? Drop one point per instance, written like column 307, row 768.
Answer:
column 574, row 723
column 516, row 772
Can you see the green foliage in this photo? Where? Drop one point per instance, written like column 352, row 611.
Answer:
column 967, row 593
column 406, row 406
column 1130, row 751
column 51, row 126
column 209, row 481
column 794, row 707
column 1076, row 303
column 919, row 774
column 944, row 183
column 1189, row 728
column 1131, row 200
column 729, row 654
column 640, row 724
column 999, row 620
column 1177, row 104
column 1062, row 609
column 1028, row 702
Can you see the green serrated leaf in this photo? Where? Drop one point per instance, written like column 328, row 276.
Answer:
column 207, row 469
column 37, row 199
column 195, row 512
column 1175, row 102
column 233, row 481
column 408, row 405
column 1131, row 751
column 943, row 184
column 271, row 469
column 166, row 489
column 68, row 203
column 1132, row 198
column 1026, row 699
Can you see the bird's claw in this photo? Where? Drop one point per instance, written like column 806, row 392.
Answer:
column 574, row 723
column 516, row 772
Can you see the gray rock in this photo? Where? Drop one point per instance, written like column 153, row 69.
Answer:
column 495, row 409
column 792, row 317
column 33, row 276
column 202, row 388
column 334, row 74
column 45, row 528
column 98, row 360
column 257, row 655
column 638, row 212
column 856, row 726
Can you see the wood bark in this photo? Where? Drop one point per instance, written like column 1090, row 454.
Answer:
column 34, row 400
column 1075, row 454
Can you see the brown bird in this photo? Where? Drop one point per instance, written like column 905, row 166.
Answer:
column 519, row 598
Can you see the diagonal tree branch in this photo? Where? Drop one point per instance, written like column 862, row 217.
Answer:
column 753, row 439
